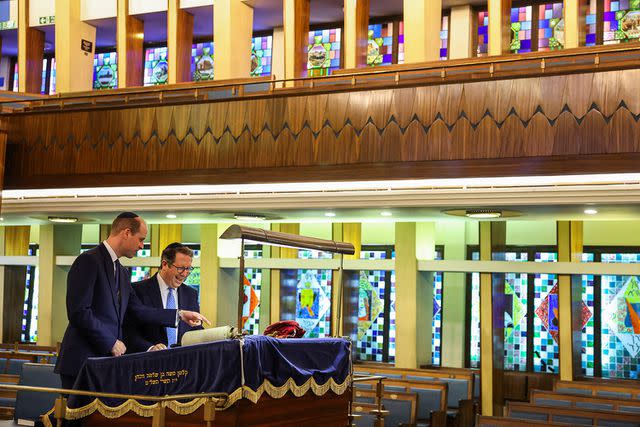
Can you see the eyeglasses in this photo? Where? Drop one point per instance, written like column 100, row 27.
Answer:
column 183, row 270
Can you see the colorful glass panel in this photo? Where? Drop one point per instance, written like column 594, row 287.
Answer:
column 621, row 20
column 591, row 24
column 52, row 77
column 521, row 29
column 156, row 69
column 141, row 273
column 253, row 283
column 515, row 316
column 372, row 290
column 313, row 297
column 380, row 44
column 474, row 345
column 202, row 61
column 43, row 83
column 620, row 320
column 261, row 54
column 545, row 321
column 324, row 52
column 588, row 332
column 105, row 70
column 15, row 77
column 551, row 26
column 401, row 42
column 30, row 314
column 483, row 33
column 436, row 324
column 444, row 38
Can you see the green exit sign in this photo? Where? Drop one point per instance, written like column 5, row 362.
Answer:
column 44, row 20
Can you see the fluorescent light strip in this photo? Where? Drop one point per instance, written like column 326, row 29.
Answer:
column 297, row 187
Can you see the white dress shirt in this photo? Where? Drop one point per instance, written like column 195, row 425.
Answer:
column 112, row 253
column 164, row 292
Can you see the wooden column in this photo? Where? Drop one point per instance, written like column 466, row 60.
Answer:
column 130, row 37
column 461, row 34
column 179, row 42
column 232, row 33
column 283, row 295
column 74, row 66
column 209, row 266
column 16, row 243
column 492, row 307
column 346, row 281
column 569, row 235
column 422, row 24
column 499, row 26
column 575, row 26
column 535, row 24
column 356, row 32
column 599, row 23
column 414, row 294
column 296, row 37
column 30, row 52
column 52, row 315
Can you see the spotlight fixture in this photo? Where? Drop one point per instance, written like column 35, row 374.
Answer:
column 171, row 216
column 386, row 213
column 590, row 211
column 483, row 213
column 63, row 219
column 249, row 217
column 330, row 214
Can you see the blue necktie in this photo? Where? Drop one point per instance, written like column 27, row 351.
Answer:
column 171, row 332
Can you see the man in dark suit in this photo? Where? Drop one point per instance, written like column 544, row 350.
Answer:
column 166, row 289
column 99, row 295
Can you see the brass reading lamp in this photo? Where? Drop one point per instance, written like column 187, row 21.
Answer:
column 275, row 238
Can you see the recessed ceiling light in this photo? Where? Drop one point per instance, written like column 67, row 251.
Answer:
column 386, row 213
column 330, row 214
column 249, row 217
column 1, row 218
column 63, row 219
column 171, row 216
column 590, row 211
column 483, row 213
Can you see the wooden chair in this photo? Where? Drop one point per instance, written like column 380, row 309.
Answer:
column 402, row 406
column 598, row 389
column 483, row 421
column 575, row 416
column 550, row 398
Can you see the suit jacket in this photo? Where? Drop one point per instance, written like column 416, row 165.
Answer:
column 139, row 337
column 95, row 314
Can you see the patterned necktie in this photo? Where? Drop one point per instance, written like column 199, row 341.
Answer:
column 171, row 332
column 116, row 273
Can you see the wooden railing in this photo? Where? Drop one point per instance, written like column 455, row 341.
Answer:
column 579, row 60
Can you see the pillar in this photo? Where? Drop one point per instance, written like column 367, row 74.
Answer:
column 575, row 26
column 16, row 243
column 414, row 294
column 232, row 33
column 179, row 42
column 499, row 26
column 461, row 19
column 356, row 32
column 284, row 282
column 209, row 266
column 570, row 237
column 422, row 24
column 74, row 66
column 346, row 282
column 296, row 37
column 130, row 37
column 30, row 52
column 52, row 315
column 491, row 322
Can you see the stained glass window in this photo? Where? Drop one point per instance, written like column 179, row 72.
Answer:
column 474, row 326
column 43, row 83
column 156, row 69
column 105, row 70
column 620, row 320
column 324, row 52
column 515, row 316
column 15, row 77
column 261, row 53
column 202, row 61
column 444, row 38
column 483, row 33
column 436, row 323
column 621, row 20
column 521, row 18
column 401, row 42
column 591, row 24
column 588, row 332
column 30, row 308
column 380, row 45
column 252, row 288
column 52, row 77
column 551, row 26
column 193, row 279
column 313, row 297
column 141, row 273
column 545, row 322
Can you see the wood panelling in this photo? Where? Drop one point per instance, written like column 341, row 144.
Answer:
column 180, row 31
column 16, row 243
column 518, row 126
column 130, row 38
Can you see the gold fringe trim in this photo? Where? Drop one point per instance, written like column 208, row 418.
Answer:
column 179, row 408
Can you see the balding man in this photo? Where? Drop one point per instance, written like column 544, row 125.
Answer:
column 99, row 295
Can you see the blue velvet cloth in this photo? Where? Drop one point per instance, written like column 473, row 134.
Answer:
column 216, row 367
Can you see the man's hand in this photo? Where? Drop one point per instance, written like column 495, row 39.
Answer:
column 118, row 348
column 157, row 347
column 192, row 318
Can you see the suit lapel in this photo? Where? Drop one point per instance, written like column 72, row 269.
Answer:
column 154, row 292
column 108, row 268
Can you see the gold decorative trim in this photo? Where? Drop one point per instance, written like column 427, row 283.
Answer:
column 245, row 392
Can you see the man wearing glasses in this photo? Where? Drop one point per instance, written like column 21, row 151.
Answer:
column 166, row 289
